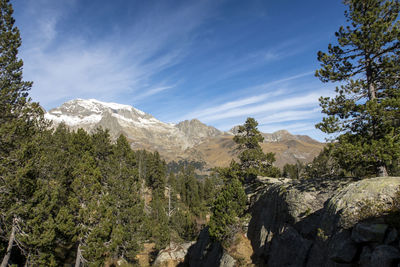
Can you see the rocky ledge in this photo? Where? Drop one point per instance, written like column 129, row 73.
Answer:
column 317, row 223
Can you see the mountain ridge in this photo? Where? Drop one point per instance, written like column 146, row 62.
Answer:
column 189, row 139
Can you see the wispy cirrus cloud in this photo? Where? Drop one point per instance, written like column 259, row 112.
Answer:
column 267, row 106
column 290, row 115
column 274, row 100
column 240, row 102
column 153, row 91
column 121, row 65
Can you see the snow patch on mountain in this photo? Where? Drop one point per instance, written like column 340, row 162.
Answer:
column 58, row 117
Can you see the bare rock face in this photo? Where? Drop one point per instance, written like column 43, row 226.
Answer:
column 325, row 223
column 205, row 252
column 197, row 131
column 285, row 212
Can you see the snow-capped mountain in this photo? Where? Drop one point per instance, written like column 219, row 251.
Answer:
column 142, row 129
column 190, row 139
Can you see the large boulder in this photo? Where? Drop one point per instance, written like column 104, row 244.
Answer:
column 282, row 202
column 173, row 254
column 329, row 222
column 341, row 248
column 368, row 198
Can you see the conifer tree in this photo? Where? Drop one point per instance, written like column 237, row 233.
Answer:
column 125, row 202
column 19, row 118
column 253, row 161
column 365, row 111
column 91, row 214
column 227, row 208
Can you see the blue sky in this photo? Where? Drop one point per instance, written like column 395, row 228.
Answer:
column 218, row 61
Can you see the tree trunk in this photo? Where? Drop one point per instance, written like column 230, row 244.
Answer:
column 370, row 83
column 169, row 202
column 372, row 91
column 6, row 258
column 78, row 257
column 27, row 261
column 382, row 171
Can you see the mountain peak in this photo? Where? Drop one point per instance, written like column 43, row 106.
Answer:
column 142, row 128
column 96, row 105
column 196, row 130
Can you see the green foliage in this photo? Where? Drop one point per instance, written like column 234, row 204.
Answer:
column 365, row 110
column 159, row 222
column 190, row 190
column 176, row 167
column 183, row 222
column 293, row 171
column 227, row 208
column 324, row 165
column 20, row 121
column 253, row 161
column 156, row 172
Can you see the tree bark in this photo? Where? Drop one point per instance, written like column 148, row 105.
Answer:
column 372, row 91
column 78, row 257
column 11, row 240
column 27, row 261
column 370, row 83
column 382, row 171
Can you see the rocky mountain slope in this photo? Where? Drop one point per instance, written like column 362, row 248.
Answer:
column 191, row 140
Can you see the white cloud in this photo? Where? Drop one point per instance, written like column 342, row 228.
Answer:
column 153, row 91
column 291, row 115
column 229, row 106
column 242, row 102
column 118, row 66
column 293, row 127
column 309, row 100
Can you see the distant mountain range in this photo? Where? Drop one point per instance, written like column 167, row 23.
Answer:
column 190, row 140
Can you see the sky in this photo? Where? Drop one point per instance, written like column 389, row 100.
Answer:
column 219, row 61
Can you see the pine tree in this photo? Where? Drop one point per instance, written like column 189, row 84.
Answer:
column 365, row 111
column 91, row 214
column 124, row 199
column 227, row 208
column 253, row 161
column 293, row 171
column 19, row 120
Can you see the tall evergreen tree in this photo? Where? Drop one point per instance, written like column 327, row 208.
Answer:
column 253, row 161
column 91, row 214
column 228, row 206
column 365, row 110
column 122, row 184
column 19, row 118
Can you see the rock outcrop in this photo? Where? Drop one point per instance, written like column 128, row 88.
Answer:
column 205, row 252
column 325, row 223
column 319, row 223
column 172, row 255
